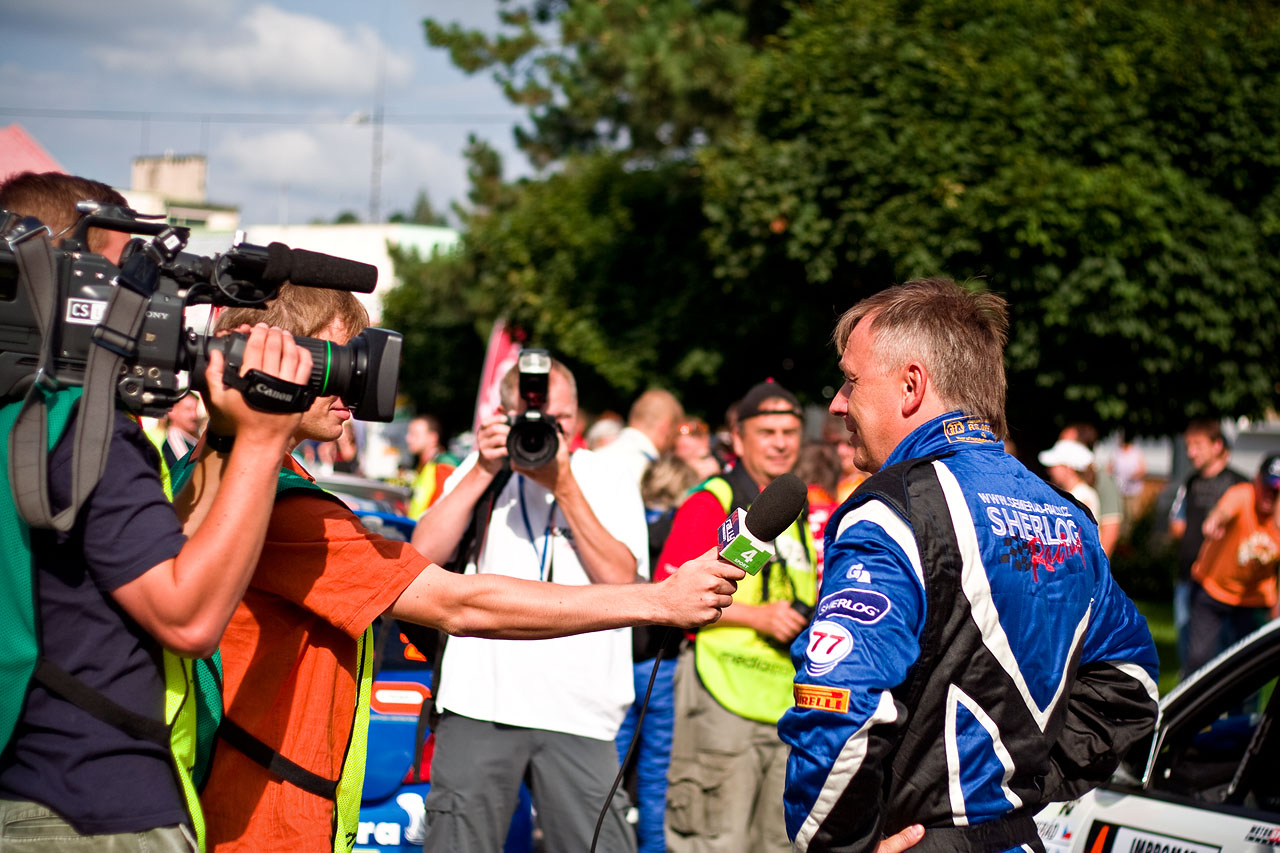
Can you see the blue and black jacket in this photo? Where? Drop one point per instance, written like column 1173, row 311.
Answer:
column 970, row 658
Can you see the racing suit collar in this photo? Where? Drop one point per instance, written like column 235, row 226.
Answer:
column 945, row 433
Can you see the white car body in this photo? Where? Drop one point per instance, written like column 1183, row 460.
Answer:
column 1208, row 780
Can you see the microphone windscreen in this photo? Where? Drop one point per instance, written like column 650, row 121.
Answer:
column 777, row 507
column 313, row 269
column 279, row 264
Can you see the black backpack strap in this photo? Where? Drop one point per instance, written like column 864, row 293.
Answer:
column 274, row 762
column 29, row 453
column 84, row 697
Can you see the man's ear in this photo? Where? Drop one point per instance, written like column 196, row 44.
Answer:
column 915, row 381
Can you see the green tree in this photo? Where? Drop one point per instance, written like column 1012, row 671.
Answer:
column 1110, row 168
column 600, row 260
column 423, row 213
column 346, row 217
column 443, row 345
column 651, row 78
column 725, row 177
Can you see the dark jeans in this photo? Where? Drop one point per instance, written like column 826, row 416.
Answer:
column 1215, row 626
column 653, row 754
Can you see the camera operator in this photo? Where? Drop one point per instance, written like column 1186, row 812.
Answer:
column 299, row 644
column 549, row 709
column 125, row 581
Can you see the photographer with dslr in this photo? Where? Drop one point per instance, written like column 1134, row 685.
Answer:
column 124, row 582
column 547, row 711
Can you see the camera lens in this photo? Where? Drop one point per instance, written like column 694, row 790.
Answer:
column 364, row 372
column 532, row 441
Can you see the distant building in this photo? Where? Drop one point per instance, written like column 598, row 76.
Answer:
column 174, row 185
column 172, row 176
column 20, row 153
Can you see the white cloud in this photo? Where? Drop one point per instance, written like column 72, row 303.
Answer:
column 327, row 169
column 269, row 51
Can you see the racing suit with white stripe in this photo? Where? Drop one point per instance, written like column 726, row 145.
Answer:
column 970, row 658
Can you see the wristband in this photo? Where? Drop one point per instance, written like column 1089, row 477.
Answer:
column 217, row 442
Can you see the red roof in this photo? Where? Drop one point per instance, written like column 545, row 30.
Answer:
column 20, row 153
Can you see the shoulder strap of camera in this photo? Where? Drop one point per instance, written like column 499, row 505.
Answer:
column 29, row 459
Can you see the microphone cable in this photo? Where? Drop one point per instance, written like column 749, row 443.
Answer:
column 635, row 738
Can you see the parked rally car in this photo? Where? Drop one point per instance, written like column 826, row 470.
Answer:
column 1207, row 780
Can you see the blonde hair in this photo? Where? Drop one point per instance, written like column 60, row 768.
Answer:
column 958, row 333
column 666, row 481
column 302, row 311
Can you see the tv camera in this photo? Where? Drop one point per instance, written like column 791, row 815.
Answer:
column 363, row 372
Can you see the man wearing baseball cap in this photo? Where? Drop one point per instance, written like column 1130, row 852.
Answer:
column 1234, row 579
column 733, row 682
column 1069, row 464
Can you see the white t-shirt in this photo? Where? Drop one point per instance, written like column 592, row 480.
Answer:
column 580, row 685
column 631, row 452
column 1088, row 496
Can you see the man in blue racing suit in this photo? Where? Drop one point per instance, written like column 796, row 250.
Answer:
column 971, row 657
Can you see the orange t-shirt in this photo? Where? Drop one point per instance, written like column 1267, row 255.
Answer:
column 289, row 669
column 1240, row 568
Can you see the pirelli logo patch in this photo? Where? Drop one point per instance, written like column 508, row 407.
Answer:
column 822, row 698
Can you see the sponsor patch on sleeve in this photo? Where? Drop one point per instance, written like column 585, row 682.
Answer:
column 829, row 643
column 834, row 699
column 861, row 605
column 1116, row 838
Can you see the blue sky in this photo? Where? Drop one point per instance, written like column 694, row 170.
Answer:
column 312, row 64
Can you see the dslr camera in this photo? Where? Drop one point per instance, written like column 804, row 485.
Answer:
column 534, row 437
column 47, row 338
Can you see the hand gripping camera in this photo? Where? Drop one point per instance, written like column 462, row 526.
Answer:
column 534, row 437
column 363, row 373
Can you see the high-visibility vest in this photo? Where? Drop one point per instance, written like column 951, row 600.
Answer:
column 742, row 670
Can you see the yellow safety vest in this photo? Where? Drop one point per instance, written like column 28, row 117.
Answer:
column 743, row 671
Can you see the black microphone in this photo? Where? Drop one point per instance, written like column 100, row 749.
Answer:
column 745, row 538
column 277, row 263
column 314, row 269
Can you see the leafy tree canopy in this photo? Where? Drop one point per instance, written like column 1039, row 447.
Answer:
column 649, row 77
column 725, row 177
column 1110, row 168
column 423, row 213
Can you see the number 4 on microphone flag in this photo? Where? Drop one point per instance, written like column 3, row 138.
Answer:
column 739, row 547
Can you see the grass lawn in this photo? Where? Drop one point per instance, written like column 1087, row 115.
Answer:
column 1159, row 616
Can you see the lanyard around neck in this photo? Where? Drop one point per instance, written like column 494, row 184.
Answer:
column 546, row 534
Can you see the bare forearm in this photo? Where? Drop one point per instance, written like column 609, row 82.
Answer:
column 508, row 608
column 502, row 607
column 225, row 510
column 1108, row 535
column 740, row 615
